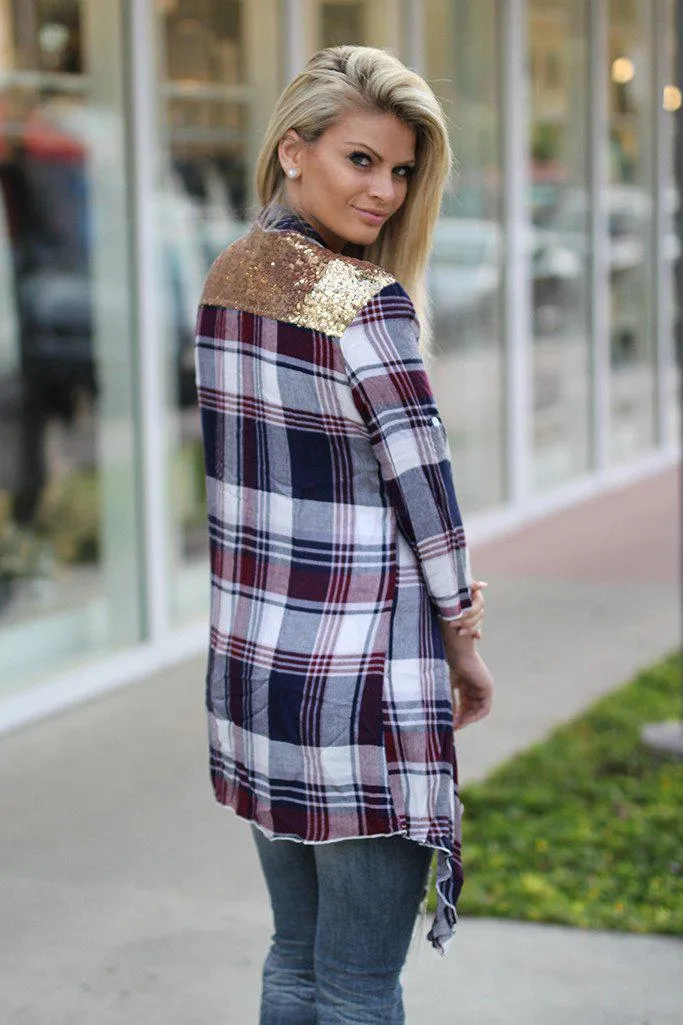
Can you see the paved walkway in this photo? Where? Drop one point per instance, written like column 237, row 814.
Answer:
column 128, row 897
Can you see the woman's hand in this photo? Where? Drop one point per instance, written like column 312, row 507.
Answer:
column 472, row 686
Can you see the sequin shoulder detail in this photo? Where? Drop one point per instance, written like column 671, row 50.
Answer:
column 287, row 277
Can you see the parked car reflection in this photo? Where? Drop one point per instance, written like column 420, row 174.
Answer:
column 464, row 280
column 466, row 276
column 562, row 250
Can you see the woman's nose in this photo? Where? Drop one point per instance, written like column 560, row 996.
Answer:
column 382, row 187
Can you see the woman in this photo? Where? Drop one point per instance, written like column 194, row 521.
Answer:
column 341, row 596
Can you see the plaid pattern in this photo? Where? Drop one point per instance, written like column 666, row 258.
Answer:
column 335, row 538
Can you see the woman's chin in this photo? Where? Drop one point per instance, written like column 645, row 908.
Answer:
column 363, row 236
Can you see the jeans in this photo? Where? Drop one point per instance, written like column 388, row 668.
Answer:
column 344, row 914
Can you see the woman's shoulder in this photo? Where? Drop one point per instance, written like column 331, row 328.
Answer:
column 288, row 277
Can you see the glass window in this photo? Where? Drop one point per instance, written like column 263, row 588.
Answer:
column 68, row 530
column 364, row 22
column 222, row 69
column 673, row 159
column 630, row 223
column 558, row 174
column 342, row 22
column 221, row 65
column 462, row 47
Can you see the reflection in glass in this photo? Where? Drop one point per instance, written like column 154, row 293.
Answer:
column 49, row 506
column 673, row 265
column 629, row 208
column 342, row 22
column 461, row 62
column 558, row 175
column 220, row 82
column 204, row 205
column 53, row 564
column 356, row 22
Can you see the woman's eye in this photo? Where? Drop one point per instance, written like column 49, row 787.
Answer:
column 361, row 159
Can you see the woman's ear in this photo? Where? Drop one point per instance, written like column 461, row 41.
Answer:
column 290, row 150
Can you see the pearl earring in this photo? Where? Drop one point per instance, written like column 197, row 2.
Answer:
column 293, row 173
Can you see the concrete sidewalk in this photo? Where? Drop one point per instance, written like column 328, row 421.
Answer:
column 128, row 896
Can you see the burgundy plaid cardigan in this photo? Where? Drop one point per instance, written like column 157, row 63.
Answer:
column 335, row 544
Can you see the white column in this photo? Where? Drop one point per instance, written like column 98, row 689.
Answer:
column 414, row 45
column 119, row 480
column 150, row 320
column 662, row 234
column 300, row 34
column 516, row 226
column 9, row 330
column 262, row 39
column 600, row 297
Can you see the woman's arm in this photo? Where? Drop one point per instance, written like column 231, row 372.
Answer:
column 392, row 393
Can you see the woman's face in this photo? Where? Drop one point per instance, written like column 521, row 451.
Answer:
column 351, row 179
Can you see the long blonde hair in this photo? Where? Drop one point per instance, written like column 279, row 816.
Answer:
column 342, row 77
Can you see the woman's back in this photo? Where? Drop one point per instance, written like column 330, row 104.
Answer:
column 327, row 687
column 337, row 549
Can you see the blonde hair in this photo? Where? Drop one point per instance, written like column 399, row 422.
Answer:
column 335, row 80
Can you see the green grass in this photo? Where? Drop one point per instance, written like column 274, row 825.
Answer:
column 586, row 828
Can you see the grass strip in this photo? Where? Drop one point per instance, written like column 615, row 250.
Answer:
column 586, row 828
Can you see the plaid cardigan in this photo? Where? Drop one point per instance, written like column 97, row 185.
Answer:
column 335, row 543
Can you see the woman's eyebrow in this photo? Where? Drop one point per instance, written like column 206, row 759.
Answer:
column 363, row 145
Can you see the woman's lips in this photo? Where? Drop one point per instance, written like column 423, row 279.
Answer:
column 370, row 216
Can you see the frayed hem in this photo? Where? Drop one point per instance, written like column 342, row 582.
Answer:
column 445, row 921
column 444, row 925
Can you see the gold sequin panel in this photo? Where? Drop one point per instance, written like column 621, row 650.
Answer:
column 285, row 276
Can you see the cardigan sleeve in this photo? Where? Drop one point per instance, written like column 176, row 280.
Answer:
column 392, row 394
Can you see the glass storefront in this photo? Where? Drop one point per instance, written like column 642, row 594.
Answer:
column 631, row 239
column 69, row 551
column 342, row 23
column 77, row 584
column 672, row 221
column 462, row 61
column 365, row 22
column 220, row 71
column 559, row 201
